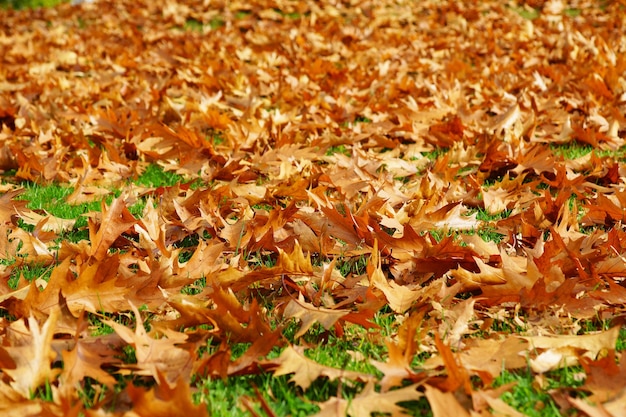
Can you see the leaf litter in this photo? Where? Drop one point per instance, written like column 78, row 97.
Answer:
column 311, row 136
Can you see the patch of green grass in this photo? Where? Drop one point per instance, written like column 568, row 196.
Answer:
column 618, row 154
column 284, row 398
column 195, row 288
column 242, row 14
column 216, row 23
column 30, row 272
column 290, row 15
column 525, row 397
column 128, row 355
column 621, row 340
column 487, row 233
column 483, row 215
column 224, row 397
column 91, row 392
column 137, row 209
column 155, row 176
column 436, row 153
column 572, row 12
column 30, row 4
column 419, row 408
column 194, row 25
column 43, row 393
column 216, row 138
column 352, row 266
column 338, row 149
column 263, row 206
column 527, row 12
column 53, row 199
column 571, row 150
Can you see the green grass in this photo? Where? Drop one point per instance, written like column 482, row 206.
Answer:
column 351, row 265
column 29, row 272
column 224, row 397
column 525, row 397
column 155, row 176
column 571, row 150
column 435, row 154
column 284, row 397
column 195, row 25
column 290, row 15
column 574, row 150
column 341, row 149
column 53, row 199
column 527, row 12
column 30, row 4
column 572, row 12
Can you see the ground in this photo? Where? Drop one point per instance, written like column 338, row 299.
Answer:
column 313, row 208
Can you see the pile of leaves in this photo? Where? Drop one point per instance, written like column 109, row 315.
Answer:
column 341, row 162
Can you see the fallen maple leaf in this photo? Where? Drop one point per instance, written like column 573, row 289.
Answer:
column 86, row 360
column 116, row 219
column 309, row 315
column 369, row 401
column 397, row 368
column 32, row 353
column 456, row 322
column 9, row 206
column 559, row 351
column 160, row 358
column 305, row 370
column 48, row 222
column 444, row 403
column 165, row 400
column 399, row 297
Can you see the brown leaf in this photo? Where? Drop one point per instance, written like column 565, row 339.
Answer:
column 606, row 376
column 32, row 353
column 559, row 351
column 399, row 297
column 309, row 315
column 86, row 360
column 397, row 368
column 47, row 223
column 116, row 219
column 444, row 403
column 160, row 358
column 9, row 206
column 305, row 370
column 165, row 400
column 369, row 401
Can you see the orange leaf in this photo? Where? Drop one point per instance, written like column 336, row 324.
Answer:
column 116, row 219
column 165, row 401
column 309, row 314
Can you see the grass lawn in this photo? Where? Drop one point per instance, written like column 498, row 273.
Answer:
column 312, row 208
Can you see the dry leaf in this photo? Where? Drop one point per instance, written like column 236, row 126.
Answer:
column 309, row 315
column 369, row 401
column 305, row 370
column 32, row 354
